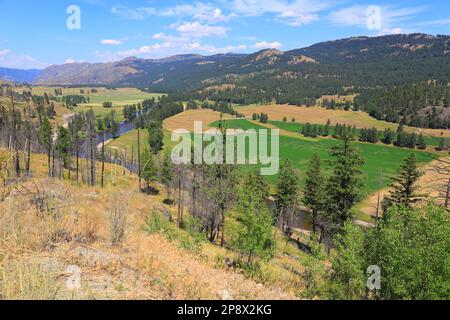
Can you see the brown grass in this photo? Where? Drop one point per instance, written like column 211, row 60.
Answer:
column 185, row 120
column 318, row 115
column 74, row 228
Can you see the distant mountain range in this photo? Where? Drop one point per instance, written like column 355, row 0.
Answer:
column 19, row 75
column 351, row 61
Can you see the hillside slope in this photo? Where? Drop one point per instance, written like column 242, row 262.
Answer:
column 49, row 228
column 352, row 61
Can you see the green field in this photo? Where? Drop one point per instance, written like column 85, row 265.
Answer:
column 118, row 96
column 379, row 159
column 297, row 127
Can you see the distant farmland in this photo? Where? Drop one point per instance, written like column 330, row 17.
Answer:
column 319, row 115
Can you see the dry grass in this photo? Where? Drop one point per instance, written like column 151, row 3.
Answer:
column 318, row 115
column 185, row 120
column 74, row 227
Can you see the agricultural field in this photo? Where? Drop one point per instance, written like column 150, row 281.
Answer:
column 185, row 120
column 118, row 96
column 380, row 161
column 318, row 115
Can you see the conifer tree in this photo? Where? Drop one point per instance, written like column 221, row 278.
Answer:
column 167, row 173
column 313, row 191
column 148, row 170
column 287, row 190
column 404, row 189
column 421, row 144
column 63, row 145
column 46, row 140
column 343, row 186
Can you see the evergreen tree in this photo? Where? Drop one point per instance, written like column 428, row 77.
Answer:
column 313, row 191
column 155, row 136
column 63, row 145
column 421, row 144
column 326, row 129
column 287, row 189
column 167, row 173
column 388, row 136
column 343, row 186
column 148, row 171
column 404, row 189
column 46, row 139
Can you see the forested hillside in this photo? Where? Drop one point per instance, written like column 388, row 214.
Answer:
column 387, row 71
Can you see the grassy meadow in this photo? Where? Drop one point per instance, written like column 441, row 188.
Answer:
column 379, row 159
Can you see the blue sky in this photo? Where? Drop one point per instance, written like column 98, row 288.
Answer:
column 34, row 34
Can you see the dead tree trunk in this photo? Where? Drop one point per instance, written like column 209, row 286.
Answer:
column 139, row 159
column 447, row 195
column 103, row 160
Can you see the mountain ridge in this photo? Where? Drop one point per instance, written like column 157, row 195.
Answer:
column 324, row 59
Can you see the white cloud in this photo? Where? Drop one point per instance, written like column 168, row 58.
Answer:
column 171, row 46
column 293, row 13
column 198, row 11
column 71, row 61
column 197, row 30
column 267, row 45
column 387, row 31
column 4, row 52
column 9, row 59
column 112, row 42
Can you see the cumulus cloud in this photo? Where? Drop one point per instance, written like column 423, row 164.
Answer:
column 267, row 45
column 198, row 11
column 293, row 13
column 197, row 30
column 171, row 45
